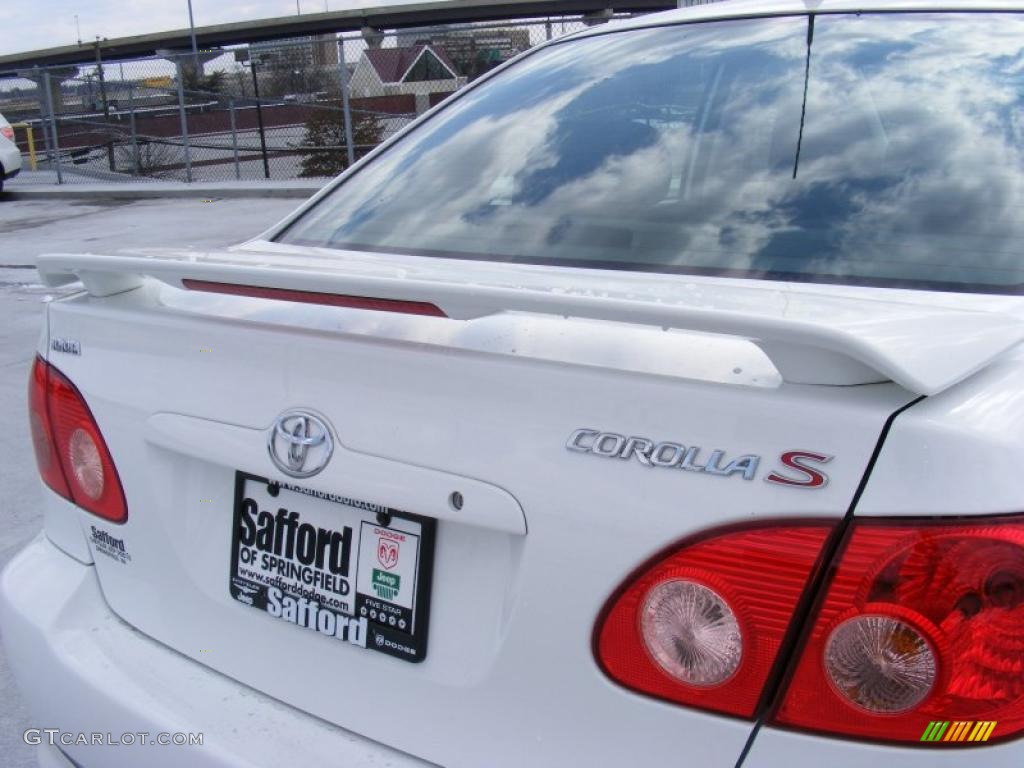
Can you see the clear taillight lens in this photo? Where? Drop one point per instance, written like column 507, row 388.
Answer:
column 7, row 132
column 703, row 625
column 86, row 464
column 691, row 632
column 72, row 456
column 921, row 622
column 880, row 663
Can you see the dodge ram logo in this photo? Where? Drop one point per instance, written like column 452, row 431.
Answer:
column 300, row 443
column 387, row 553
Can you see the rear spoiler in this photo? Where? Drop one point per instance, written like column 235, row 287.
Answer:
column 811, row 335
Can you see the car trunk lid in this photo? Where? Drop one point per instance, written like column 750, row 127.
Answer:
column 187, row 387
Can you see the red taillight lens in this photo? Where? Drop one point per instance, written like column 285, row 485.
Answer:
column 72, row 456
column 47, row 460
column 7, row 132
column 703, row 625
column 315, row 297
column 921, row 622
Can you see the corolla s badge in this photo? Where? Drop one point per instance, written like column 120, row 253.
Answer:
column 300, row 443
column 798, row 467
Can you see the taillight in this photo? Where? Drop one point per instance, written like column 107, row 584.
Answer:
column 42, row 432
column 921, row 623
column 703, row 625
column 72, row 456
column 316, row 297
column 7, row 132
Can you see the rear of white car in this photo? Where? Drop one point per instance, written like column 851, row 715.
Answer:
column 656, row 400
column 10, row 155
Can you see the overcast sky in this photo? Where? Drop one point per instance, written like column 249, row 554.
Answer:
column 52, row 22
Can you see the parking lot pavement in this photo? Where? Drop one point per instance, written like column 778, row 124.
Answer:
column 28, row 229
column 31, row 227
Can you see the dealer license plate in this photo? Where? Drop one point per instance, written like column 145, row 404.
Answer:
column 351, row 570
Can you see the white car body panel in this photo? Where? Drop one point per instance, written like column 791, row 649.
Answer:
column 446, row 426
column 10, row 155
column 92, row 673
column 940, row 452
column 774, row 747
column 482, row 403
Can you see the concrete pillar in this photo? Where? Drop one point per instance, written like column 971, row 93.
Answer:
column 57, row 76
column 372, row 36
column 192, row 64
column 593, row 18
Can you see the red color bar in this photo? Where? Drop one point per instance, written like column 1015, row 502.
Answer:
column 314, row 297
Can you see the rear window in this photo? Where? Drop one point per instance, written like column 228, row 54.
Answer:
column 873, row 149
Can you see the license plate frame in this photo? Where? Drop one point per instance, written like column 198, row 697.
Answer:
column 361, row 544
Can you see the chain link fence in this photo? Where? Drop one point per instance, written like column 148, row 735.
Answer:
column 288, row 109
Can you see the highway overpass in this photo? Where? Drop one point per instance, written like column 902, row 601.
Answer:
column 380, row 16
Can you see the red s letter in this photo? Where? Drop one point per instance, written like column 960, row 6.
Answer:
column 810, row 477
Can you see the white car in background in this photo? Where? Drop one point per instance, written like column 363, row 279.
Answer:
column 656, row 400
column 10, row 155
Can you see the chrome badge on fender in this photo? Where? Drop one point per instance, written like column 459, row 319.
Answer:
column 797, row 466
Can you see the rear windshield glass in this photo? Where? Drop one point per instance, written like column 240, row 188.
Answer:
column 876, row 149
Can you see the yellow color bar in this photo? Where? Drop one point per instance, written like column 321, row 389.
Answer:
column 31, row 143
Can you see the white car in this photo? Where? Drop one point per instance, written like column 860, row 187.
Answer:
column 654, row 401
column 10, row 155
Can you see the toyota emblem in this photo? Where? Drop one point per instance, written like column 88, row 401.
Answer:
column 300, row 443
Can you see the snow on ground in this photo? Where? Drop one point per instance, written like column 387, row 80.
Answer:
column 28, row 228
